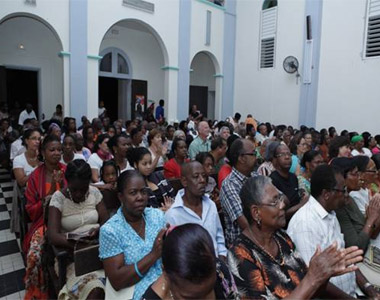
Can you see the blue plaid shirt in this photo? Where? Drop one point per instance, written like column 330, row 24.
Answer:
column 231, row 203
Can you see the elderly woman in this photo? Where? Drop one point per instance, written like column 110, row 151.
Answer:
column 42, row 183
column 357, row 142
column 189, row 275
column 78, row 208
column 131, row 241
column 263, row 258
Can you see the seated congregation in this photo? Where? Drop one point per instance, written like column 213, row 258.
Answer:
column 197, row 210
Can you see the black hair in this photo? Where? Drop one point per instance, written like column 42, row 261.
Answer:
column 377, row 138
column 188, row 254
column 252, row 193
column 107, row 163
column 78, row 169
column 308, row 157
column 348, row 164
column 323, row 178
column 344, row 132
column 70, row 136
column 135, row 131
column 175, row 143
column 202, row 156
column 124, row 178
column 230, row 141
column 100, row 140
column 85, row 132
column 336, row 143
column 113, row 141
column 295, row 141
column 217, row 143
column 28, row 133
column 237, row 116
column 134, row 155
column 50, row 139
column 161, row 102
column 376, row 159
column 236, row 150
column 366, row 137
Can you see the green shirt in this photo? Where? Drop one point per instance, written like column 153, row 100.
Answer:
column 198, row 145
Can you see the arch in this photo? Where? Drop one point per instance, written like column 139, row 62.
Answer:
column 145, row 26
column 36, row 18
column 115, row 51
column 212, row 57
column 205, row 84
column 269, row 4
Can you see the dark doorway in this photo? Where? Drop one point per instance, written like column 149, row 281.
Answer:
column 109, row 93
column 139, row 98
column 21, row 87
column 198, row 96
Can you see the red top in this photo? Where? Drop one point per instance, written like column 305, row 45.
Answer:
column 225, row 170
column 34, row 193
column 172, row 169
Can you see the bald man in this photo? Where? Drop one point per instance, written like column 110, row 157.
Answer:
column 201, row 143
column 191, row 205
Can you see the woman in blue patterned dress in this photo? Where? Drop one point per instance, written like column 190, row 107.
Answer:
column 131, row 241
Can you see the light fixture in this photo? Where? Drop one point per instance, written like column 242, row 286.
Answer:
column 21, row 47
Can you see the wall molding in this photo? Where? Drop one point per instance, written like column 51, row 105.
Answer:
column 64, row 53
column 97, row 57
column 218, row 75
column 212, row 4
column 165, row 68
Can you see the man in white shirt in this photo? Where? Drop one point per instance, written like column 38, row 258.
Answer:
column 27, row 113
column 315, row 224
column 193, row 206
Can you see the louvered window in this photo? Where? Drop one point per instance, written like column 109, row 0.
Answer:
column 268, row 34
column 373, row 29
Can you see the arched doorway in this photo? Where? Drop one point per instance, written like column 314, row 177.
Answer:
column 141, row 47
column 30, row 67
column 115, row 76
column 203, row 88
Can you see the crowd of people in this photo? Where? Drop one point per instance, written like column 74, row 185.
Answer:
column 200, row 209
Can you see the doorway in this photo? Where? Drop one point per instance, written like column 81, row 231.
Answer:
column 19, row 87
column 199, row 96
column 109, row 94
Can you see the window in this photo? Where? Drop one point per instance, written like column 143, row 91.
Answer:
column 115, row 64
column 372, row 47
column 268, row 31
column 269, row 4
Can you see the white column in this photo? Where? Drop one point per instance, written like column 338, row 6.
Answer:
column 92, row 86
column 171, row 94
column 66, row 85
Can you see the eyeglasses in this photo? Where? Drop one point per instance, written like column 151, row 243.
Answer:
column 277, row 200
column 371, row 171
column 285, row 154
column 344, row 190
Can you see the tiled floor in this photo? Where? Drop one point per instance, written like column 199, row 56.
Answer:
column 12, row 269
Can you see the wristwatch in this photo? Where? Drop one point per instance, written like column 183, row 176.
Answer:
column 367, row 285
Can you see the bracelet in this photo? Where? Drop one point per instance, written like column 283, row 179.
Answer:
column 138, row 272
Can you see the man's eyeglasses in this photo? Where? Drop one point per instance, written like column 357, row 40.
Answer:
column 371, row 171
column 285, row 154
column 344, row 190
column 280, row 198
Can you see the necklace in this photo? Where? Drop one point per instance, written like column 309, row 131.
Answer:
column 71, row 197
column 282, row 260
column 171, row 295
column 31, row 159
